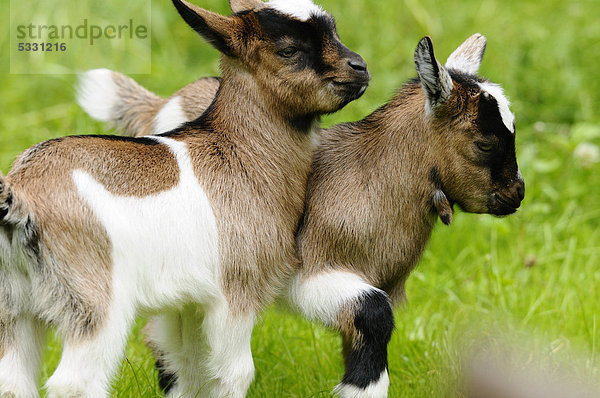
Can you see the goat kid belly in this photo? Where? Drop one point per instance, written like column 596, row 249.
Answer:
column 165, row 246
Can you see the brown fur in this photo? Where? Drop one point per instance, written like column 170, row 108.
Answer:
column 132, row 96
column 258, row 253
column 352, row 338
column 195, row 97
column 274, row 199
column 374, row 223
column 264, row 147
column 141, row 114
column 248, row 154
column 377, row 185
column 378, row 221
column 74, row 249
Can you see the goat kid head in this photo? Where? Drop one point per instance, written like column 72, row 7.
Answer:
column 476, row 165
column 290, row 48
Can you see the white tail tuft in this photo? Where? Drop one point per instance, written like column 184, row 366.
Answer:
column 170, row 116
column 97, row 94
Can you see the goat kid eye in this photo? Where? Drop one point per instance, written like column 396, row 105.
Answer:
column 485, row 146
column 288, row 52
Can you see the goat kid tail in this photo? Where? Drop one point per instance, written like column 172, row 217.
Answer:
column 12, row 210
column 112, row 97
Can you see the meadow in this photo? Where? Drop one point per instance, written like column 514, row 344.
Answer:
column 531, row 280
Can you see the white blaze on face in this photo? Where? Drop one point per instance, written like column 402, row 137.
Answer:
column 300, row 9
column 508, row 118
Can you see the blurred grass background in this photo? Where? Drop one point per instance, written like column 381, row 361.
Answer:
column 532, row 277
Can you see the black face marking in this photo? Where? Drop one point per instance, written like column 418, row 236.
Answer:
column 307, row 36
column 374, row 320
column 489, row 119
column 166, row 379
column 502, row 161
column 495, row 149
column 468, row 82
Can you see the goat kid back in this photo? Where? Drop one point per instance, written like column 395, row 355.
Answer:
column 197, row 224
column 376, row 187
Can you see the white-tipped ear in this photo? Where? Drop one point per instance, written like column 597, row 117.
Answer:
column 467, row 57
column 244, row 5
column 435, row 80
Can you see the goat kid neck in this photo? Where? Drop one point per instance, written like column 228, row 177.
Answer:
column 247, row 111
column 409, row 145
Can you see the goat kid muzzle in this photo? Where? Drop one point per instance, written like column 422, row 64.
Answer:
column 354, row 76
column 507, row 200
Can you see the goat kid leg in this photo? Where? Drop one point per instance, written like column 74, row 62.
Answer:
column 21, row 343
column 229, row 362
column 363, row 315
column 202, row 354
column 163, row 337
column 181, row 351
column 88, row 363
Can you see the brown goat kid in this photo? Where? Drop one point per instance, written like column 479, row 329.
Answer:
column 197, row 225
column 375, row 190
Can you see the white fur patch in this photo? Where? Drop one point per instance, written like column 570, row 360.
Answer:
column 508, row 118
column 220, row 339
column 170, row 116
column 164, row 246
column 300, row 9
column 467, row 57
column 97, row 94
column 321, row 297
column 20, row 365
column 87, row 367
column 377, row 389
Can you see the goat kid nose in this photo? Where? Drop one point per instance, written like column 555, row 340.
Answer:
column 358, row 64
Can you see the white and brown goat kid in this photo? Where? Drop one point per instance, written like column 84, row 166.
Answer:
column 197, row 224
column 446, row 138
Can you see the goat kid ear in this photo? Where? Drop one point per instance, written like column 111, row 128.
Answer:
column 215, row 28
column 244, row 5
column 467, row 57
column 435, row 80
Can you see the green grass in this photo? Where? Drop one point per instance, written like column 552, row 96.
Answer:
column 531, row 278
